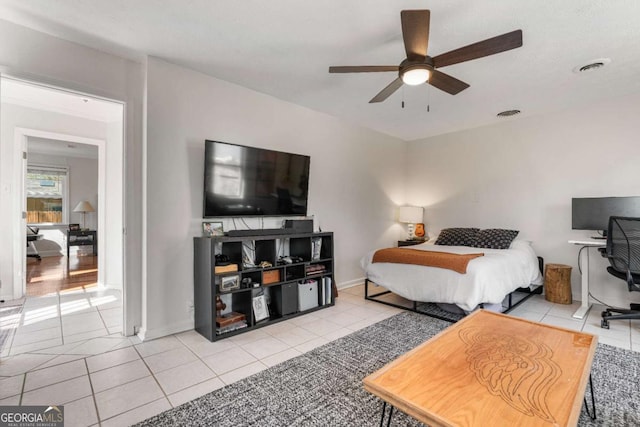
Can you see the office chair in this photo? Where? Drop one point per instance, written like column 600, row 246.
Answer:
column 623, row 252
column 32, row 236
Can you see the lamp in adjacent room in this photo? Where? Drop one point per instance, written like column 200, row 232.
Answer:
column 410, row 215
column 83, row 207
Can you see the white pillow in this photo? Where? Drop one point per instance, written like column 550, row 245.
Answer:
column 519, row 243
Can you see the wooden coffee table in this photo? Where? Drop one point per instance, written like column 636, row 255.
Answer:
column 490, row 369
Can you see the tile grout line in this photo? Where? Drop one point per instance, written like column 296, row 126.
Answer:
column 154, row 377
column 24, row 382
column 102, row 318
column 93, row 392
column 52, row 384
column 199, row 359
column 133, row 409
column 60, row 316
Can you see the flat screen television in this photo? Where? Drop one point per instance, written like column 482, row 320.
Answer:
column 592, row 213
column 250, row 181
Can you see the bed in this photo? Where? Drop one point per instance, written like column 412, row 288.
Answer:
column 488, row 280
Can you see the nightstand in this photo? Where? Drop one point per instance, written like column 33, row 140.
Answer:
column 409, row 242
column 82, row 238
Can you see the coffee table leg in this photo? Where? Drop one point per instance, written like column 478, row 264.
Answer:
column 593, row 401
column 384, row 410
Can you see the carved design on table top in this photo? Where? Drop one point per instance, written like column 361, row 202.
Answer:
column 517, row 369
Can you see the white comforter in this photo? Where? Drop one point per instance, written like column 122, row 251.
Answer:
column 488, row 279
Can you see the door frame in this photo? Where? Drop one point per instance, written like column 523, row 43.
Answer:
column 128, row 326
column 21, row 137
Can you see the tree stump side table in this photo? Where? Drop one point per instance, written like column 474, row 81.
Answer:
column 557, row 283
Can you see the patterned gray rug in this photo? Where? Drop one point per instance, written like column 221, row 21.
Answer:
column 324, row 387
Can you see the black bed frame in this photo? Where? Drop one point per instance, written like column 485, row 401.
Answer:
column 523, row 294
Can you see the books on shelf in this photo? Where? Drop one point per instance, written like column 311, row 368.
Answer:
column 315, row 269
column 231, row 327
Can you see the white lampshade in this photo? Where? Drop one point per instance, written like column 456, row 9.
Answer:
column 84, row 206
column 410, row 214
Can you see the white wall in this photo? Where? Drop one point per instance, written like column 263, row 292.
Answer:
column 39, row 57
column 523, row 173
column 356, row 178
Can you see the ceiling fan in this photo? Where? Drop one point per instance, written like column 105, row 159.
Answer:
column 420, row 68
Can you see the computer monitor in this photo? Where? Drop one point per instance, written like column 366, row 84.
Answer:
column 592, row 213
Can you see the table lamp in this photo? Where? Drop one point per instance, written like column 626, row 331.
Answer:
column 83, row 207
column 410, row 215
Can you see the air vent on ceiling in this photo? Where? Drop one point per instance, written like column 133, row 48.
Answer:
column 592, row 65
column 508, row 113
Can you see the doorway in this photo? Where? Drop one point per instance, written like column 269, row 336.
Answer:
column 40, row 116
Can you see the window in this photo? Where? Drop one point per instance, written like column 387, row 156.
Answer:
column 227, row 173
column 46, row 195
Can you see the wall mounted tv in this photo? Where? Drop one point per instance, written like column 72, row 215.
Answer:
column 249, row 181
column 592, row 213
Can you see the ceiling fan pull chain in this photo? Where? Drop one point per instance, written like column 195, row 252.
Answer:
column 428, row 97
column 402, row 96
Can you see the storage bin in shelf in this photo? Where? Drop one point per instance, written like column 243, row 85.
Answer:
column 270, row 277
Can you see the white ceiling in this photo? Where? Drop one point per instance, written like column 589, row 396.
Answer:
column 56, row 147
column 284, row 47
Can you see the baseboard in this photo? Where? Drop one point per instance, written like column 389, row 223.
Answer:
column 150, row 334
column 50, row 253
column 351, row 283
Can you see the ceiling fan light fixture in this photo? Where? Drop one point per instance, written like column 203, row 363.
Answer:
column 416, row 76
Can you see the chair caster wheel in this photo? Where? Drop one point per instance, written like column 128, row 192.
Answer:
column 604, row 324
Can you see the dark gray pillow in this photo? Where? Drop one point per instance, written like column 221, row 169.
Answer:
column 495, row 238
column 457, row 236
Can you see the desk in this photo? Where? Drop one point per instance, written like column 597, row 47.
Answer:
column 490, row 369
column 82, row 238
column 584, row 266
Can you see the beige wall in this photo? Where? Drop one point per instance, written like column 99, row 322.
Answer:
column 356, row 178
column 523, row 173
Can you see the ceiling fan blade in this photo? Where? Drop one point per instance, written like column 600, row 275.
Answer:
column 387, row 91
column 363, row 69
column 415, row 32
column 447, row 83
column 477, row 50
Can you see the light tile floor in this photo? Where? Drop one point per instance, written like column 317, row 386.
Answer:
column 112, row 380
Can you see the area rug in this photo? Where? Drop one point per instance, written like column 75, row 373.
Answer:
column 324, row 386
column 434, row 310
